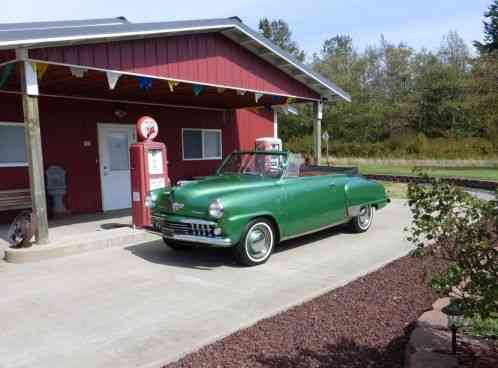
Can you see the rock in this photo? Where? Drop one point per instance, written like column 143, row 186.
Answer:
column 426, row 359
column 433, row 318
column 441, row 303
column 429, row 339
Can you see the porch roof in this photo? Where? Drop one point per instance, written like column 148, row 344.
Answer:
column 49, row 34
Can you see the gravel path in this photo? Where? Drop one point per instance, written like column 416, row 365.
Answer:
column 363, row 324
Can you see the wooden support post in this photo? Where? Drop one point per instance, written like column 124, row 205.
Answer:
column 317, row 132
column 275, row 123
column 29, row 88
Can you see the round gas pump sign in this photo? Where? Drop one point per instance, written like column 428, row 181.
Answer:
column 147, row 128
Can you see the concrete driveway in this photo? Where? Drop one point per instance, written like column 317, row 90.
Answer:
column 144, row 305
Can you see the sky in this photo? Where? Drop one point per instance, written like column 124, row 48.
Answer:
column 419, row 23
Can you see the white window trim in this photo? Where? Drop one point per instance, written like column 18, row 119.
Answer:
column 204, row 158
column 13, row 164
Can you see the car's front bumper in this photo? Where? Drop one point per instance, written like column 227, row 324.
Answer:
column 189, row 230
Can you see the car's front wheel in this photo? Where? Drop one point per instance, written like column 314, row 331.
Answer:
column 362, row 222
column 257, row 244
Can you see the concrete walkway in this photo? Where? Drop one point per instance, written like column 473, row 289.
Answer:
column 144, row 305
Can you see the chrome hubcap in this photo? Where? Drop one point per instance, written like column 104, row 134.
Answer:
column 365, row 217
column 259, row 241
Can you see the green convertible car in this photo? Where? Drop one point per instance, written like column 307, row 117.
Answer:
column 257, row 199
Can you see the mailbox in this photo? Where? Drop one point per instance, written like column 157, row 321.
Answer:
column 149, row 170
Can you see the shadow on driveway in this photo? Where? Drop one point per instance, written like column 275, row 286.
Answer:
column 205, row 258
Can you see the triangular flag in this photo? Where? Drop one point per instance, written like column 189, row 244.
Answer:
column 78, row 72
column 6, row 73
column 172, row 85
column 145, row 83
column 41, row 70
column 220, row 90
column 240, row 92
column 112, row 79
column 274, row 99
column 197, row 89
column 257, row 96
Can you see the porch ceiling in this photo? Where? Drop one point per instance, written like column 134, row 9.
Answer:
column 58, row 81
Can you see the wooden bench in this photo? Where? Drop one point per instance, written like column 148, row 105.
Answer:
column 15, row 199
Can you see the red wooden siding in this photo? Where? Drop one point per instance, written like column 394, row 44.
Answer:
column 66, row 124
column 206, row 58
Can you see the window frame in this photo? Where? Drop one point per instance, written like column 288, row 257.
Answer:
column 203, row 131
column 14, row 164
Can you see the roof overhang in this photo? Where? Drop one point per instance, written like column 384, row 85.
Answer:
column 24, row 37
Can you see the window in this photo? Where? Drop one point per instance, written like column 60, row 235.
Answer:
column 201, row 144
column 12, row 145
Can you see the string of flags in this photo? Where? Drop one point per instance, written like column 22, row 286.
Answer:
column 172, row 85
column 7, row 72
column 144, row 83
column 197, row 89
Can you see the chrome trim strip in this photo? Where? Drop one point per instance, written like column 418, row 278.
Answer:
column 220, row 242
column 315, row 230
column 197, row 222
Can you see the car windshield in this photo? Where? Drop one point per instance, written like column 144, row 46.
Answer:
column 254, row 163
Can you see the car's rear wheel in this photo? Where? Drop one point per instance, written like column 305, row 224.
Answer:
column 257, row 244
column 176, row 245
column 362, row 222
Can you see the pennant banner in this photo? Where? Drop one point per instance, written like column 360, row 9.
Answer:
column 172, row 85
column 145, row 83
column 241, row 93
column 7, row 71
column 274, row 99
column 197, row 89
column 220, row 90
column 78, row 72
column 257, row 96
column 112, row 79
column 41, row 69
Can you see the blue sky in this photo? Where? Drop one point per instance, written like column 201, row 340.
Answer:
column 420, row 23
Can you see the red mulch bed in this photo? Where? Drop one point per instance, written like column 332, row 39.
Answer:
column 363, row 324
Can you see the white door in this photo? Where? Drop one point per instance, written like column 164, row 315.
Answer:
column 114, row 151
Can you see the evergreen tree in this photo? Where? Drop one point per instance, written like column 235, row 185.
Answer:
column 279, row 33
column 490, row 30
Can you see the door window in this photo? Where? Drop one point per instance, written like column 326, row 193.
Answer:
column 118, row 151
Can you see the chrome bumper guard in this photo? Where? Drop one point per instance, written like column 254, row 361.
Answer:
column 190, row 230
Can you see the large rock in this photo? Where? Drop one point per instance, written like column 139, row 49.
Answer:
column 433, row 318
column 426, row 359
column 429, row 339
column 441, row 303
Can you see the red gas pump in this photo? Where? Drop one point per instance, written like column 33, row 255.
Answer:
column 149, row 169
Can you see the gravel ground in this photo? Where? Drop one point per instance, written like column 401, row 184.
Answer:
column 363, row 324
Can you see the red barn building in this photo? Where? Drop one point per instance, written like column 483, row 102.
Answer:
column 71, row 92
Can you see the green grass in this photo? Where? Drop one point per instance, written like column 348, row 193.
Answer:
column 482, row 173
column 395, row 190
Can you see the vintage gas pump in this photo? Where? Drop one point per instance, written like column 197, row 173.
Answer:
column 268, row 144
column 149, row 169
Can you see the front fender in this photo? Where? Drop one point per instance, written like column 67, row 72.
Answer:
column 235, row 226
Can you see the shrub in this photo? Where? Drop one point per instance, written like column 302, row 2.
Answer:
column 463, row 231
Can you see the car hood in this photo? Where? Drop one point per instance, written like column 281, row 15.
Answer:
column 194, row 197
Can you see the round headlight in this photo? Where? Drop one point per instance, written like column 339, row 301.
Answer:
column 216, row 209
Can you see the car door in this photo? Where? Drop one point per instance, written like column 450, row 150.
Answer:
column 312, row 203
column 305, row 204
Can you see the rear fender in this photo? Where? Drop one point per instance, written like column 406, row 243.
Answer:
column 361, row 192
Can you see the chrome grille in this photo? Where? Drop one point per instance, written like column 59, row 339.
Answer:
column 192, row 228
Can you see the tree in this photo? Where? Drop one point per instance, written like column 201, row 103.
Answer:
column 454, row 51
column 278, row 32
column 452, row 225
column 490, row 30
